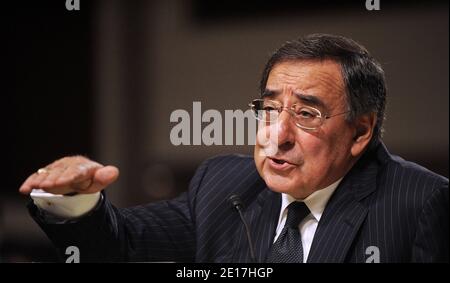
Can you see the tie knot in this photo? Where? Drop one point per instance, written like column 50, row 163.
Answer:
column 296, row 212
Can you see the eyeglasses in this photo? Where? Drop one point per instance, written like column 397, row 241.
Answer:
column 306, row 117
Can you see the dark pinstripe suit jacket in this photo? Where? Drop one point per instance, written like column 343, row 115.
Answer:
column 394, row 205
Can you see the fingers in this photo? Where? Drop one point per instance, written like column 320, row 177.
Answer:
column 71, row 174
column 50, row 178
column 28, row 185
column 35, row 180
column 77, row 173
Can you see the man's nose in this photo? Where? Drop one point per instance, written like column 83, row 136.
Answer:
column 285, row 131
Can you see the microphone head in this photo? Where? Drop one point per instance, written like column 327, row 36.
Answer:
column 235, row 201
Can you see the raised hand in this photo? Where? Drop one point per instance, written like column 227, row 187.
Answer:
column 74, row 174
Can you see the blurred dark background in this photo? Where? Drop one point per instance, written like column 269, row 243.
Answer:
column 103, row 81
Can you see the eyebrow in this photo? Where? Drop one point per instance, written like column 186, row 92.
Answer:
column 310, row 100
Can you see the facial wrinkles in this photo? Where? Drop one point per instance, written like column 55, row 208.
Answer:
column 325, row 84
column 329, row 86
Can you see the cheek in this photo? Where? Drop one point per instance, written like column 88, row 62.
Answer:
column 311, row 145
column 317, row 153
column 325, row 152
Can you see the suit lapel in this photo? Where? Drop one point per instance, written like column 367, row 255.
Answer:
column 265, row 217
column 343, row 215
column 262, row 216
column 338, row 226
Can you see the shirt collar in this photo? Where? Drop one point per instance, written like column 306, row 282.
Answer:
column 316, row 201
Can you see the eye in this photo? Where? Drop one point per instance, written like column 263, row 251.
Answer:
column 269, row 108
column 306, row 114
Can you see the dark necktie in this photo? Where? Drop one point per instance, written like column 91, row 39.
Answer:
column 288, row 247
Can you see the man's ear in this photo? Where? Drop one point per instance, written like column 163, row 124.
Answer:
column 364, row 126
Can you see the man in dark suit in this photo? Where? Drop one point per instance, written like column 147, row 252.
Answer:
column 322, row 187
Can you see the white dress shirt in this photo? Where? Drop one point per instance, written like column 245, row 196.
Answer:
column 316, row 203
column 65, row 207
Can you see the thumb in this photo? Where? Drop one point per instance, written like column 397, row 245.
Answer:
column 106, row 175
column 103, row 177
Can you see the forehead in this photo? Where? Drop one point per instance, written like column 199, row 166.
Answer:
column 307, row 76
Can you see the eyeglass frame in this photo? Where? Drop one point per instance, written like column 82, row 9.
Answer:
column 293, row 113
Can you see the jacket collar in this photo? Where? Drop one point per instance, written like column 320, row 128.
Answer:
column 346, row 210
column 340, row 221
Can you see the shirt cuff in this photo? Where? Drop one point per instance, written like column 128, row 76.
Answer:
column 67, row 207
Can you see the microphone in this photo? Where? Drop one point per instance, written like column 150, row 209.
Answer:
column 236, row 202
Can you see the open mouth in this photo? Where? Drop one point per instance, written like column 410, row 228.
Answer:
column 280, row 164
column 278, row 161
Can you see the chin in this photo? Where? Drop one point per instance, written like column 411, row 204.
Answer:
column 286, row 184
column 279, row 184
